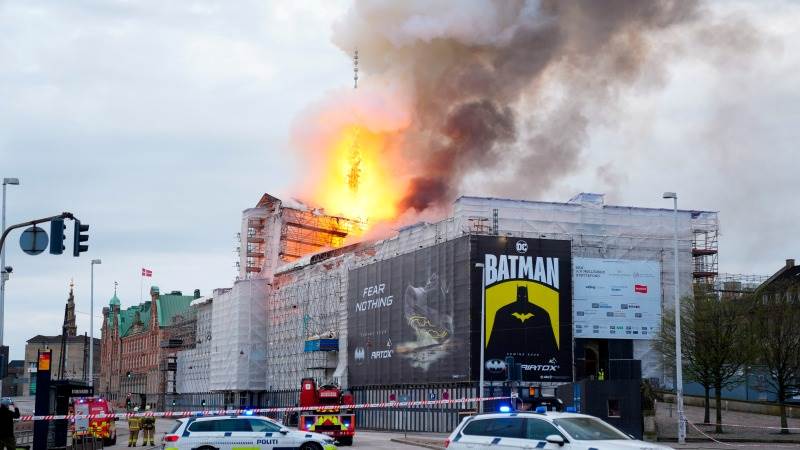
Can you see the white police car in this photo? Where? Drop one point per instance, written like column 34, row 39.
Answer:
column 240, row 433
column 547, row 430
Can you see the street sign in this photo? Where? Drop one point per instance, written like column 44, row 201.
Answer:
column 33, row 240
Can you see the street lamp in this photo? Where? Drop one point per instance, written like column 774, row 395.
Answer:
column 3, row 272
column 483, row 335
column 678, row 355
column 91, row 325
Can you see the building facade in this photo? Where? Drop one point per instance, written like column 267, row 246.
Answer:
column 139, row 346
column 194, row 364
column 70, row 353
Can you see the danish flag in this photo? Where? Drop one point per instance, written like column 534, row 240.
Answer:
column 147, row 272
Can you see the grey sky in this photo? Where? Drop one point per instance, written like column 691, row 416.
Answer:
column 158, row 122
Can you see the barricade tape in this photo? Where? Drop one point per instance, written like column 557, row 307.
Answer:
column 227, row 412
column 712, row 424
column 760, row 445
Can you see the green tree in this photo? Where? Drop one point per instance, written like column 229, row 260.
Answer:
column 775, row 330
column 714, row 343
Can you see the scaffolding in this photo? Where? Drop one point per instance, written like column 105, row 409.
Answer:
column 309, row 302
column 705, row 247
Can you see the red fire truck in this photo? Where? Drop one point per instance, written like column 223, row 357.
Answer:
column 327, row 417
column 100, row 428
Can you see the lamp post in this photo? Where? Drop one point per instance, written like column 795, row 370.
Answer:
column 483, row 335
column 678, row 355
column 91, row 325
column 3, row 272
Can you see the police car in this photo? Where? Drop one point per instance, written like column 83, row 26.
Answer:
column 547, row 430
column 240, row 433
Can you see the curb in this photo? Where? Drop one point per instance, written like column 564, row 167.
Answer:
column 416, row 443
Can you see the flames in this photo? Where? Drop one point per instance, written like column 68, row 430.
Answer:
column 359, row 178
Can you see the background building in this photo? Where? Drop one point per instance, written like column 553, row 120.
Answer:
column 139, row 346
column 70, row 353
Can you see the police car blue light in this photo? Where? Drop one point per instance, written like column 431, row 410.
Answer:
column 505, row 408
column 541, row 409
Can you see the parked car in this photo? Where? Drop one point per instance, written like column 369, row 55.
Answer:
column 548, row 430
column 247, row 432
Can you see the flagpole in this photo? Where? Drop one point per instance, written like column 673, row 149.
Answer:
column 141, row 280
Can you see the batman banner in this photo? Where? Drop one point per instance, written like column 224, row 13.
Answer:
column 408, row 317
column 528, row 298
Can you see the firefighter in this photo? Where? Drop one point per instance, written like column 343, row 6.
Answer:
column 148, row 428
column 134, row 423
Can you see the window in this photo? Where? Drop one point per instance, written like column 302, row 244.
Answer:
column 203, row 426
column 501, row 427
column 538, row 429
column 614, row 407
column 231, row 425
column 175, row 427
column 589, row 429
column 263, row 426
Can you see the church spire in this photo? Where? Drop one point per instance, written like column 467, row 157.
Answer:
column 70, row 329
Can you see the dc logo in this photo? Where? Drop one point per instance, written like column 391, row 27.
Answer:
column 522, row 247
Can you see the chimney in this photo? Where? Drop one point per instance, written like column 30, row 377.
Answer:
column 197, row 293
column 789, row 263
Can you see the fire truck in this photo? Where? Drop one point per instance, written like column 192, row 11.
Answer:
column 327, row 417
column 104, row 429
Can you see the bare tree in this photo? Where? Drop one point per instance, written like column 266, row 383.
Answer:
column 775, row 331
column 714, row 343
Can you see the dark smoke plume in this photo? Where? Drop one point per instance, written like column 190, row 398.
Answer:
column 504, row 86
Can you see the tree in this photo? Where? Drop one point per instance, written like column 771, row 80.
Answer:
column 714, row 343
column 775, row 329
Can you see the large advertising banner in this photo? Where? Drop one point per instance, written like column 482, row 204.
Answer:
column 408, row 317
column 616, row 298
column 528, row 295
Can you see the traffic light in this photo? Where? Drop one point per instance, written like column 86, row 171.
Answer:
column 203, row 403
column 128, row 374
column 78, row 237
column 57, row 236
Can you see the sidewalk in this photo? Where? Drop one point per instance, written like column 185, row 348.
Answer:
column 750, row 427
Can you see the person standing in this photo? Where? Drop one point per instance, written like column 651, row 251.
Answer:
column 7, row 439
column 134, row 424
column 148, row 428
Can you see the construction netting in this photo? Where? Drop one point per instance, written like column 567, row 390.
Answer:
column 238, row 346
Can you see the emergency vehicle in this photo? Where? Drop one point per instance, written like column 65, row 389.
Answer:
column 327, row 417
column 104, row 429
column 244, row 432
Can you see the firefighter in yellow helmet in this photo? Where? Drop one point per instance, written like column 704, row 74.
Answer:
column 134, row 424
column 148, row 428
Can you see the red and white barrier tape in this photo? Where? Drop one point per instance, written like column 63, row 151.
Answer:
column 227, row 412
column 760, row 445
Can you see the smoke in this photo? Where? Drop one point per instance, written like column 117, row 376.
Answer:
column 503, row 87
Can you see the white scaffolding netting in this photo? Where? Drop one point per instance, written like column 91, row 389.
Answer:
column 194, row 365
column 238, row 357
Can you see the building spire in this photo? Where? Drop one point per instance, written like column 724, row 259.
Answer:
column 70, row 328
column 355, row 70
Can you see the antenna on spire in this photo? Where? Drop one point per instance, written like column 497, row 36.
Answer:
column 115, row 287
column 355, row 70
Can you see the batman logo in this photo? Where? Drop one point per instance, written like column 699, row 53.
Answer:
column 495, row 366
column 522, row 317
column 359, row 354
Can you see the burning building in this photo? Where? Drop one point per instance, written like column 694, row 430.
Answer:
column 276, row 232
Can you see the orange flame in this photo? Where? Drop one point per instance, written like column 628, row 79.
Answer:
column 359, row 179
